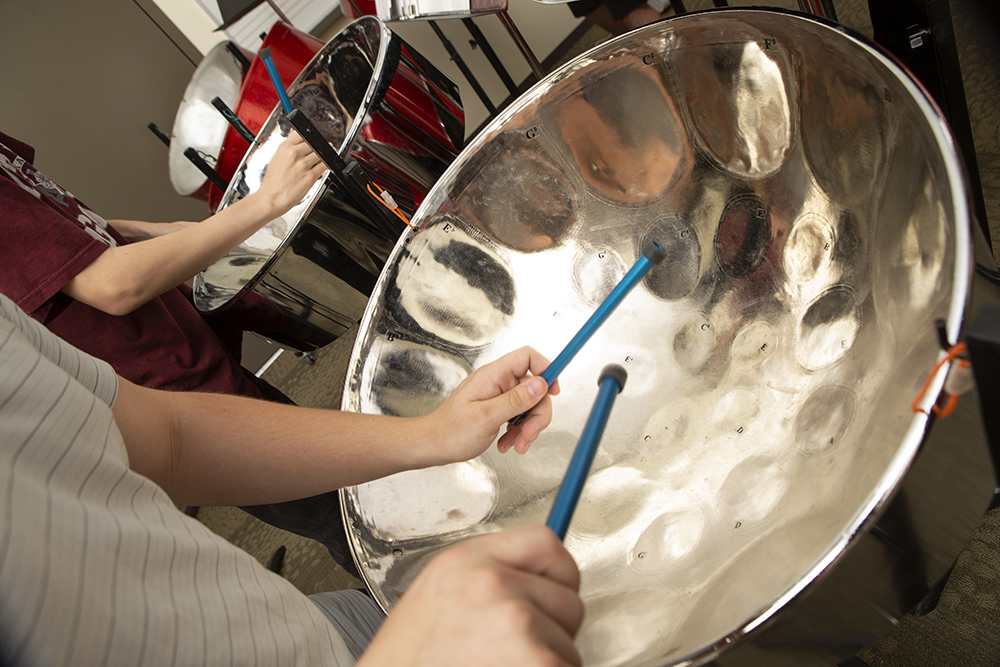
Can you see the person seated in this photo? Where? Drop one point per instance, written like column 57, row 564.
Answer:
column 126, row 302
column 99, row 567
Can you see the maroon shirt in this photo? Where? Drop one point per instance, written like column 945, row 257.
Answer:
column 47, row 237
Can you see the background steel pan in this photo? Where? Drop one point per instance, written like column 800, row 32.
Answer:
column 198, row 124
column 815, row 216
column 291, row 50
column 376, row 99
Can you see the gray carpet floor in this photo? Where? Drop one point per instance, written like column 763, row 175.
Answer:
column 964, row 630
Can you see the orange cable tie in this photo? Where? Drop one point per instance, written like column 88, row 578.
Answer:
column 955, row 350
column 396, row 210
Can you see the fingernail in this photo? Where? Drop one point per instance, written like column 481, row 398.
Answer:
column 536, row 387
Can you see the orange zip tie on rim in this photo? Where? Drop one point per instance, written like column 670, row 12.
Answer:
column 381, row 196
column 955, row 350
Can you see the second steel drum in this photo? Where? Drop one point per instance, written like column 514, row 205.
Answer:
column 198, row 124
column 377, row 102
column 814, row 212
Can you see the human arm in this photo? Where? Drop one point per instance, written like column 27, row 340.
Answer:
column 507, row 598
column 138, row 230
column 209, row 449
column 122, row 278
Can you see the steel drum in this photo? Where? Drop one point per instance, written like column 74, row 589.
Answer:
column 815, row 216
column 380, row 103
column 198, row 124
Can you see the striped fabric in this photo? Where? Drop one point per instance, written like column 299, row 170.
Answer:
column 97, row 566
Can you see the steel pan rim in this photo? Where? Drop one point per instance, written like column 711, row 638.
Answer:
column 216, row 55
column 898, row 465
column 229, row 197
column 891, row 480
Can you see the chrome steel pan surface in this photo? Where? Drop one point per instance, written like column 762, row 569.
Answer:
column 198, row 124
column 815, row 218
column 376, row 101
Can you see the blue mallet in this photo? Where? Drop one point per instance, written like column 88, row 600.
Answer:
column 610, row 384
column 652, row 255
column 265, row 55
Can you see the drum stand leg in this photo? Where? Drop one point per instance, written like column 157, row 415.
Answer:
column 983, row 339
column 480, row 39
column 536, row 66
column 457, row 59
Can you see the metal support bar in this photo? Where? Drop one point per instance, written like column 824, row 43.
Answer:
column 159, row 134
column 235, row 52
column 206, row 169
column 233, row 120
column 457, row 59
column 350, row 177
column 536, row 66
column 481, row 41
column 277, row 10
column 983, row 340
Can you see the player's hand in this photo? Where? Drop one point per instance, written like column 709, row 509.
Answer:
column 470, row 418
column 292, row 170
column 503, row 599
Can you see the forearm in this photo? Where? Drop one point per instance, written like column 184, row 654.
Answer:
column 209, row 449
column 137, row 230
column 125, row 277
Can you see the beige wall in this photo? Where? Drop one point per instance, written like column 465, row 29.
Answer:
column 80, row 81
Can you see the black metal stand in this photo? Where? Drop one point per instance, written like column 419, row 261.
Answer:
column 350, row 177
column 211, row 174
column 983, row 340
column 921, row 35
column 466, row 72
column 479, row 39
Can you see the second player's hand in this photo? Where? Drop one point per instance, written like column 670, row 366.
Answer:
column 292, row 170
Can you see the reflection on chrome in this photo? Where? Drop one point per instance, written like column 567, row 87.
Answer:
column 813, row 238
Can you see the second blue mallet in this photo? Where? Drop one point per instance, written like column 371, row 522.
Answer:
column 611, row 382
column 652, row 255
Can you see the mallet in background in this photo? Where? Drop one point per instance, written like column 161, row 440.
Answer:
column 265, row 55
column 610, row 384
column 652, row 255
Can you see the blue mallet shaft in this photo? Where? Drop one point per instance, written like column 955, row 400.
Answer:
column 265, row 55
column 611, row 382
column 652, row 255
